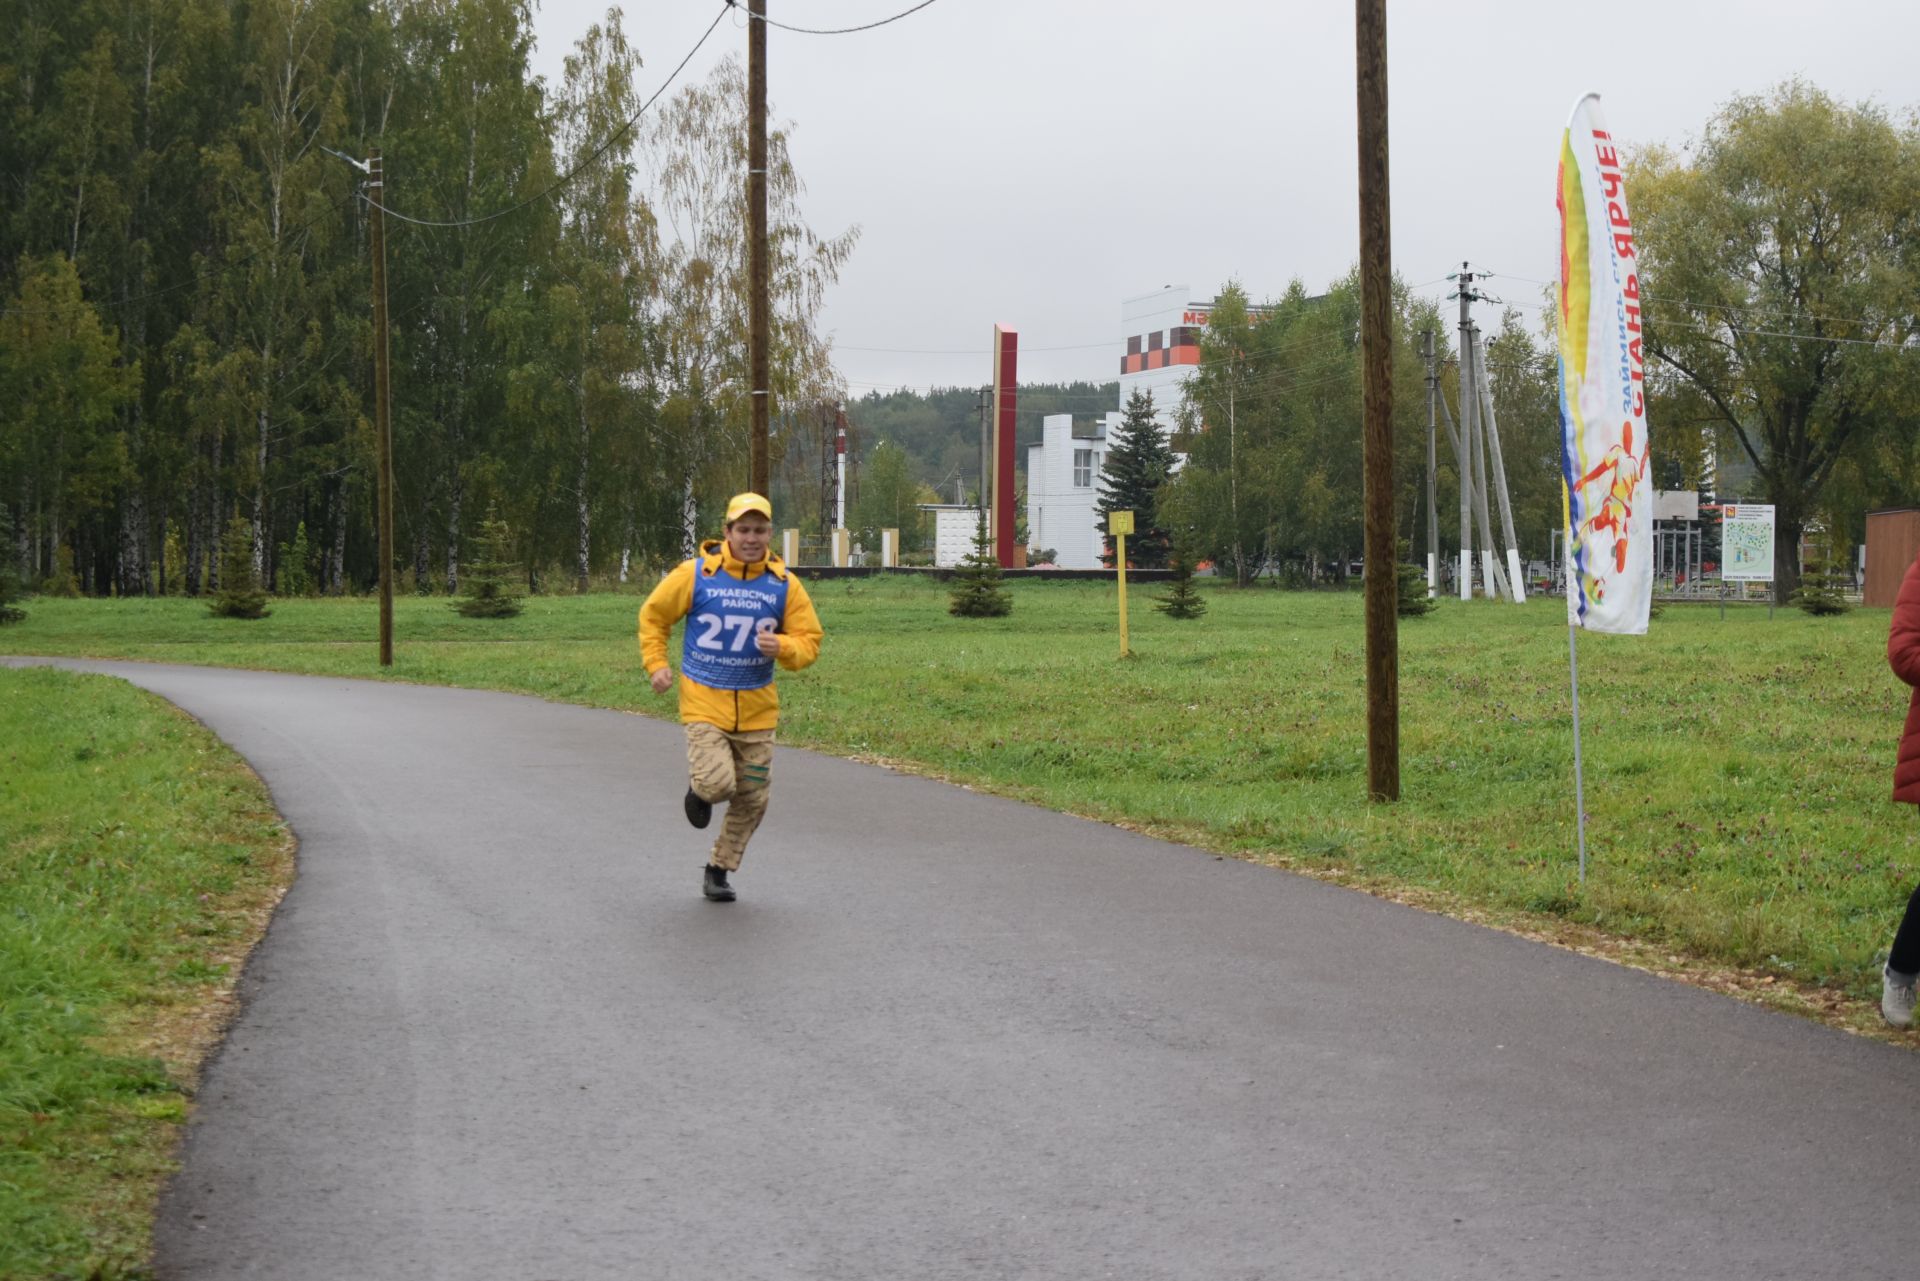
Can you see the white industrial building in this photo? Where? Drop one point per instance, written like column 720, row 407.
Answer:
column 1063, row 470
column 1063, row 484
column 1162, row 347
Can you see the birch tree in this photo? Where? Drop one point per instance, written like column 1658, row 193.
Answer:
column 169, row 52
column 468, row 141
column 61, row 388
column 585, row 360
column 275, row 183
column 697, row 260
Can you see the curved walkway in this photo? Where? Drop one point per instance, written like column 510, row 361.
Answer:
column 494, row 1032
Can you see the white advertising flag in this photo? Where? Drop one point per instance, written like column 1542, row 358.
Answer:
column 1608, row 495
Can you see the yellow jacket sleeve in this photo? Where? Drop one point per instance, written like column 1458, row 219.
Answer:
column 800, row 632
column 667, row 605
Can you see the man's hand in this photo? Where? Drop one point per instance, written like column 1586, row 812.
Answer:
column 663, row 680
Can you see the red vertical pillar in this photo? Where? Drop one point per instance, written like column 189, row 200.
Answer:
column 1006, row 359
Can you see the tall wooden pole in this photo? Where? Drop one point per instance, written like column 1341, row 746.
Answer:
column 382, row 401
column 759, row 319
column 1433, row 512
column 1376, row 404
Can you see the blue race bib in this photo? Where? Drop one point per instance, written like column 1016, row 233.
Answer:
column 718, row 649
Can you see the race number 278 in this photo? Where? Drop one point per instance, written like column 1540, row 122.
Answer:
column 741, row 627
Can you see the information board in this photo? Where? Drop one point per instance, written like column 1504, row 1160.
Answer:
column 1746, row 543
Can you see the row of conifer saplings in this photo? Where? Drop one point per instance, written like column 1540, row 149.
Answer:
column 488, row 585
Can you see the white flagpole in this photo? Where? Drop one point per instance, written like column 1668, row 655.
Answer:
column 1579, row 781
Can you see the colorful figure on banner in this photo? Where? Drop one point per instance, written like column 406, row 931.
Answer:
column 1624, row 471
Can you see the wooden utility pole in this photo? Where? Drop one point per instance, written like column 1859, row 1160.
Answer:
column 1376, row 403
column 382, row 415
column 759, row 319
column 1433, row 513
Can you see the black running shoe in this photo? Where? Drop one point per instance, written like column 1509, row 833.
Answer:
column 699, row 812
column 715, row 886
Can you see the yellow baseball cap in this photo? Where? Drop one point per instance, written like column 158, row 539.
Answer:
column 740, row 504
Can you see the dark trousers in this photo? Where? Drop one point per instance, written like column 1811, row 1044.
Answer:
column 1905, row 958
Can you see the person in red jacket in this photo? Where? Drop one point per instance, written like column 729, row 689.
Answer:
column 1903, row 652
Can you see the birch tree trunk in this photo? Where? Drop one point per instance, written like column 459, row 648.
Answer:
column 23, row 535
column 1233, row 486
column 422, row 558
column 260, row 502
column 196, row 506
column 337, row 560
column 160, row 555
column 132, row 573
column 586, row 514
column 212, row 532
column 689, row 520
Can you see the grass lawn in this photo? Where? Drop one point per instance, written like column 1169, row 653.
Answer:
column 139, row 859
column 1737, row 769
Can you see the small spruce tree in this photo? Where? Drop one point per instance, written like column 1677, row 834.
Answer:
column 63, row 581
column 1822, row 588
column 1413, row 601
column 1182, row 599
column 9, row 572
column 174, row 551
column 240, row 595
column 978, row 591
column 296, row 565
column 1138, row 462
column 487, row 581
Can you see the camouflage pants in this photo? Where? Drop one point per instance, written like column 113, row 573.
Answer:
column 734, row 768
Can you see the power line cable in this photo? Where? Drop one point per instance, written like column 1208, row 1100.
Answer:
column 1294, row 379
column 1897, row 345
column 1736, row 307
column 835, row 31
column 1294, row 348
column 575, row 172
column 604, row 147
column 1751, row 311
column 1277, row 381
column 1090, row 346
column 1756, row 311
column 972, row 351
column 601, row 150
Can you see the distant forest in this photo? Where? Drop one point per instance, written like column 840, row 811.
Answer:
column 939, row 429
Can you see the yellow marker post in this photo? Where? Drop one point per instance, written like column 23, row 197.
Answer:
column 1120, row 524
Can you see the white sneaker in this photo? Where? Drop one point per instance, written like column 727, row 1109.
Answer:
column 1896, row 997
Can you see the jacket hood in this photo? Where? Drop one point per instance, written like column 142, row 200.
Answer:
column 714, row 555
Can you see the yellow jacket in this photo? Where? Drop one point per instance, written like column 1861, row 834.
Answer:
column 729, row 709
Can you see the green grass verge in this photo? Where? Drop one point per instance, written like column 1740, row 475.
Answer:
column 138, row 861
column 1737, row 769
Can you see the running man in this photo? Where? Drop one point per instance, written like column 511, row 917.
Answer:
column 745, row 612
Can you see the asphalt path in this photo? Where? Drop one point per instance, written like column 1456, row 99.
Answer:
column 495, row 1032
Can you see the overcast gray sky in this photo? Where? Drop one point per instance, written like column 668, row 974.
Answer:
column 1033, row 162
